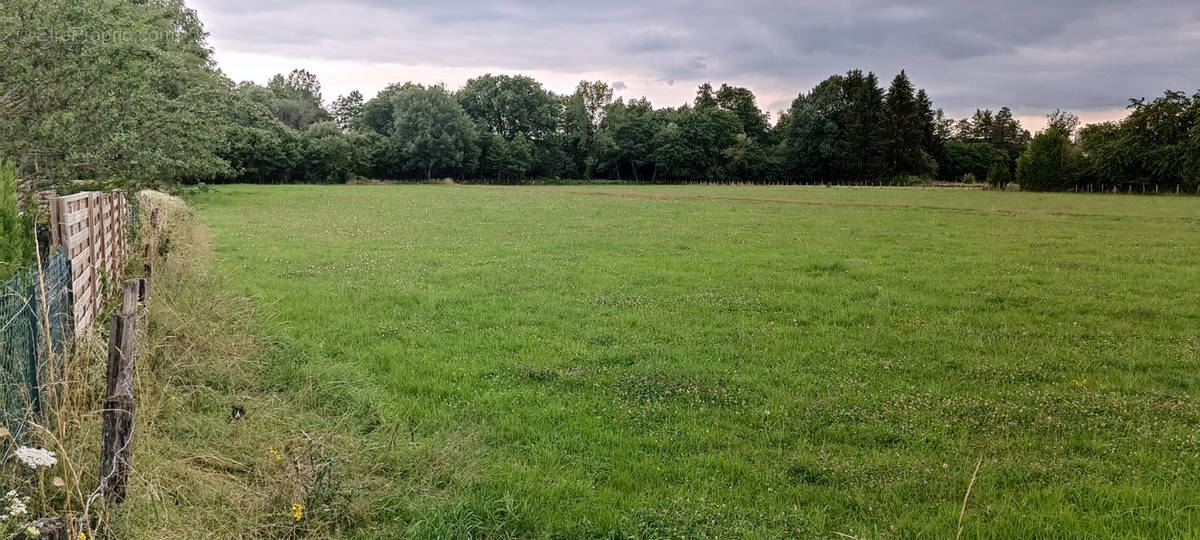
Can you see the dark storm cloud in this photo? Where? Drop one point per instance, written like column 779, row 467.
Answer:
column 1026, row 53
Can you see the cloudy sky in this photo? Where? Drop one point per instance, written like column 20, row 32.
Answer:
column 1087, row 56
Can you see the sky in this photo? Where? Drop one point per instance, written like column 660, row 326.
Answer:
column 1085, row 56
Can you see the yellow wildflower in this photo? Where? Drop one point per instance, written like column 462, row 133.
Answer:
column 298, row 511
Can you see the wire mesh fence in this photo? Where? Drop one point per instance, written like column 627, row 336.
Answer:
column 36, row 323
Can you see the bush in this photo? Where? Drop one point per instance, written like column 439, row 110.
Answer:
column 972, row 157
column 1048, row 163
column 909, row 180
column 999, row 176
column 332, row 156
column 969, row 178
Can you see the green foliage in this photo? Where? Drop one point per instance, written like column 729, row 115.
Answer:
column 258, row 147
column 741, row 102
column 935, row 129
column 509, row 105
column 98, row 89
column 908, row 180
column 970, row 157
column 1063, row 123
column 331, row 156
column 1158, row 143
column 1000, row 131
column 999, row 175
column 706, row 99
column 15, row 237
column 431, row 130
column 860, row 144
column 522, row 113
column 503, row 159
column 1106, row 153
column 347, row 110
column 377, row 114
column 583, row 113
column 1049, row 164
column 749, row 160
column 296, row 99
column 848, row 129
column 702, row 137
column 632, row 127
column 904, row 130
column 813, row 131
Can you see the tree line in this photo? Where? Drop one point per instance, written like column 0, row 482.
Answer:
column 150, row 106
column 510, row 128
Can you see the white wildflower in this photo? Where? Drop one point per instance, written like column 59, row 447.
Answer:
column 17, row 506
column 36, row 458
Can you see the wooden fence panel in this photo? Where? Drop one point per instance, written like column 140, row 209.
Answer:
column 90, row 228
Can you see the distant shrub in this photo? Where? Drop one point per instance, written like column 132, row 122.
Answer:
column 999, row 175
column 969, row 178
column 192, row 190
column 1049, row 164
column 909, row 180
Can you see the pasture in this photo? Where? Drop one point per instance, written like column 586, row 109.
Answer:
column 687, row 361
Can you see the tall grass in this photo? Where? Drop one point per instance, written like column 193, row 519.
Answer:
column 276, row 468
column 279, row 470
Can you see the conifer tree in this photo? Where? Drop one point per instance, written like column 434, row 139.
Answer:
column 904, row 129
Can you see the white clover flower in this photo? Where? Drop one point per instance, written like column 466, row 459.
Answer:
column 36, row 458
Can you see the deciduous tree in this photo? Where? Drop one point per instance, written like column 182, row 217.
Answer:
column 431, row 130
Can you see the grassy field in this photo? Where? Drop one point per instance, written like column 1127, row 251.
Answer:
column 686, row 361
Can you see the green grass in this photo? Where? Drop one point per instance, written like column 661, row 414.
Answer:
column 688, row 361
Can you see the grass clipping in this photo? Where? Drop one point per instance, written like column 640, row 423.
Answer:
column 218, row 453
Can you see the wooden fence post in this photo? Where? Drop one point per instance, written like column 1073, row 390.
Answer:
column 117, row 430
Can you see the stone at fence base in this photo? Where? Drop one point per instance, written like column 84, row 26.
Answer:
column 51, row 528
